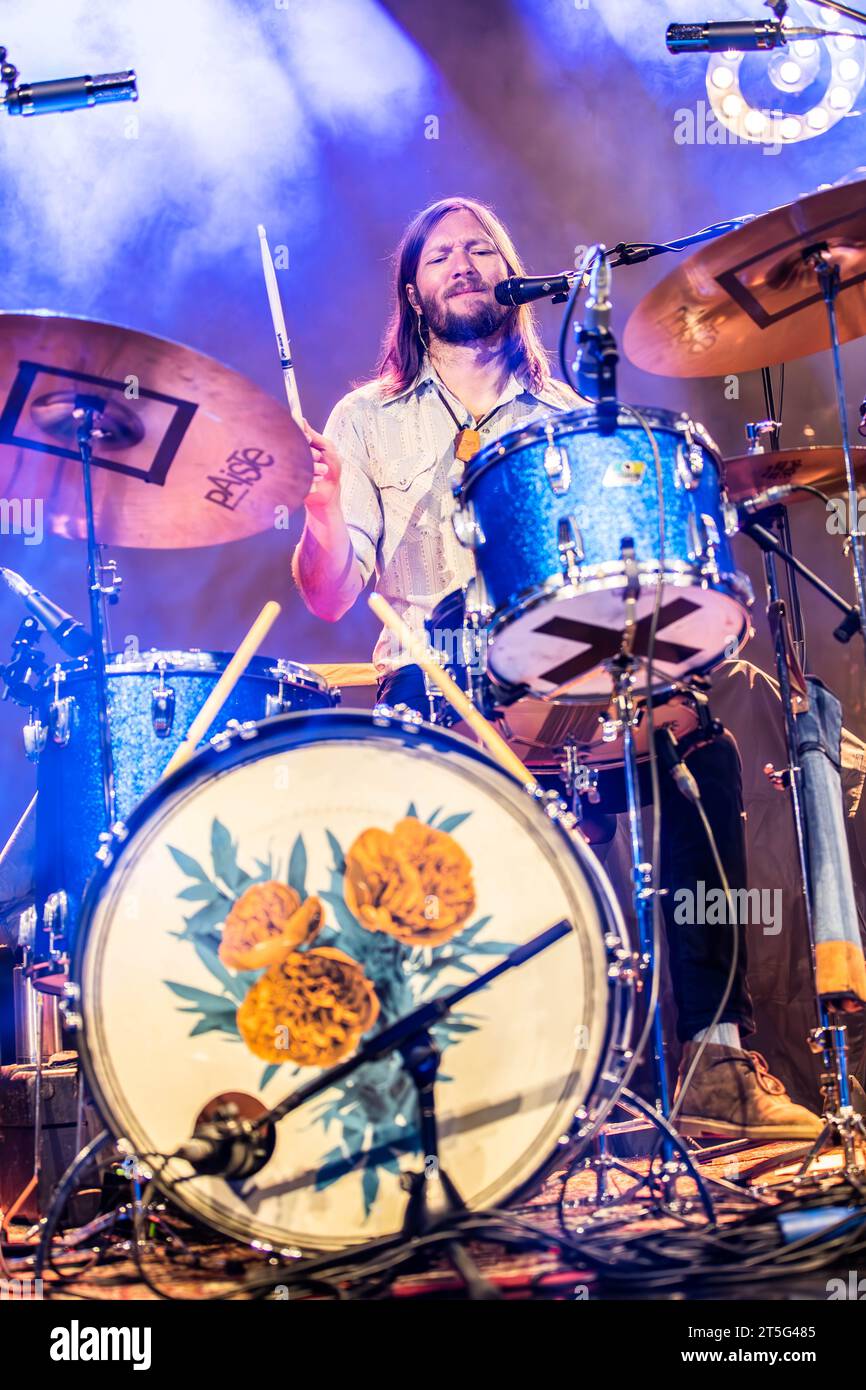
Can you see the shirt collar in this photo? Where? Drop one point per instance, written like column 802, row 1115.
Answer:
column 428, row 376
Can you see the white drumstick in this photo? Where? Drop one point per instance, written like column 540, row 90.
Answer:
column 284, row 347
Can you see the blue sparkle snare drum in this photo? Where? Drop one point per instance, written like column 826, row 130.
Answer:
column 564, row 520
column 153, row 698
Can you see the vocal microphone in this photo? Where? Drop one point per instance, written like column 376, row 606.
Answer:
column 69, row 93
column 525, row 289
column 742, row 36
column 861, row 428
column 68, row 632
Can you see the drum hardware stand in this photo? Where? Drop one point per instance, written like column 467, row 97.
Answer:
column 828, row 1039
column 622, row 670
column 411, row 1037
column 22, row 677
column 85, row 408
column 828, row 276
column 603, row 1163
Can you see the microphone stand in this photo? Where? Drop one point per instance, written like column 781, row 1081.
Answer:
column 433, row 1196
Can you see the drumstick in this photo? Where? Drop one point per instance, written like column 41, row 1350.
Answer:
column 224, row 686
column 420, row 652
column 284, row 347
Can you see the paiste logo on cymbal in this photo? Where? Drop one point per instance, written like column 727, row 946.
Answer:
column 241, row 471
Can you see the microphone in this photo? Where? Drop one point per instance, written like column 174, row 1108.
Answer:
column 230, row 1148
column 765, row 499
column 670, row 758
column 525, row 289
column 596, row 351
column 68, row 632
column 70, row 93
column 861, row 428
column 742, row 36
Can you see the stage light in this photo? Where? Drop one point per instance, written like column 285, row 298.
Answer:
column 791, row 70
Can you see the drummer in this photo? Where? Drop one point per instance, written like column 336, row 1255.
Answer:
column 457, row 371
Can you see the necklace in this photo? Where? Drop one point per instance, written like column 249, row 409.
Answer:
column 467, row 441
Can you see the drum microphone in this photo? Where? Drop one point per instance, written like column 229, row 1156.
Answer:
column 525, row 289
column 68, row 632
column 69, row 94
column 229, row 1148
column 769, row 498
column 595, row 362
column 739, row 36
column 670, row 760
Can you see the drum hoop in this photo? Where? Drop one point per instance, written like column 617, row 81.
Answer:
column 581, row 422
column 619, row 1021
column 191, row 662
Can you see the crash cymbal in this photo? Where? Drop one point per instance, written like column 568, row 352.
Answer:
column 186, row 451
column 749, row 299
column 821, row 465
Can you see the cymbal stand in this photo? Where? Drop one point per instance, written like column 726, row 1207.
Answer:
column 827, row 273
column 827, row 1038
column 85, row 409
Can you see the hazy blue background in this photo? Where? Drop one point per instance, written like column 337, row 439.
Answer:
column 314, row 119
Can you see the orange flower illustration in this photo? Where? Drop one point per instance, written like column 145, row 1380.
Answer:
column 312, row 1008
column 265, row 923
column 414, row 884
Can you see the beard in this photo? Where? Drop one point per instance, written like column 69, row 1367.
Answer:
column 462, row 325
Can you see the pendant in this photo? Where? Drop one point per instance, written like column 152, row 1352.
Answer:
column 466, row 445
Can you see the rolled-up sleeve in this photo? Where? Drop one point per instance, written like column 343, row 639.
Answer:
column 359, row 496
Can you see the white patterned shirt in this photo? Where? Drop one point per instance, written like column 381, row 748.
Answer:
column 396, row 489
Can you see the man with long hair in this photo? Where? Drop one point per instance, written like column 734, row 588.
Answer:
column 458, row 370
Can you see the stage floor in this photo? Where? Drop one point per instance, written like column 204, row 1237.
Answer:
column 206, row 1266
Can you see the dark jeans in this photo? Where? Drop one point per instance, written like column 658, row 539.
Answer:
column 699, row 953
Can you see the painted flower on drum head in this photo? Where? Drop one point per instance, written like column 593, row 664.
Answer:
column 415, row 884
column 312, row 1008
column 265, row 924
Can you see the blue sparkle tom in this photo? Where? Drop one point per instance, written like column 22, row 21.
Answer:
column 565, row 525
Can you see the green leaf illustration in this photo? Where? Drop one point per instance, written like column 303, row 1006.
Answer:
column 201, row 923
column 206, row 950
column 189, row 865
column 200, row 892
column 298, row 868
column 224, row 854
column 336, row 850
column 370, row 1188
column 431, row 820
column 451, row 823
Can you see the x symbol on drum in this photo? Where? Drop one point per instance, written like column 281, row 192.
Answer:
column 603, row 642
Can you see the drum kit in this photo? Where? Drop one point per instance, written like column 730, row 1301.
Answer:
column 317, row 872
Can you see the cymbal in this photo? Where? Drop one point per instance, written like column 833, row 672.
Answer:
column 821, row 465
column 749, row 300
column 186, row 452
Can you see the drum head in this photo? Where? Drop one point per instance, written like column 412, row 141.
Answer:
column 559, row 641
column 428, row 864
